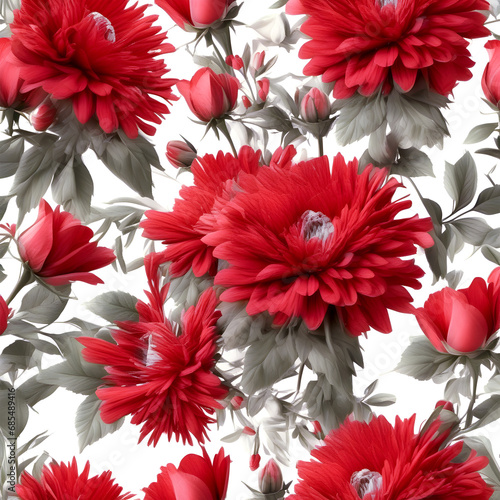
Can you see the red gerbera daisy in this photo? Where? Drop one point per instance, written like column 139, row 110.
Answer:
column 164, row 380
column 192, row 218
column 62, row 482
column 99, row 54
column 302, row 239
column 376, row 461
column 368, row 45
column 196, row 478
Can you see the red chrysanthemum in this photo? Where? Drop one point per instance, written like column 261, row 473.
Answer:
column 196, row 478
column 165, row 381
column 100, row 54
column 370, row 45
column 193, row 215
column 303, row 239
column 63, row 482
column 376, row 461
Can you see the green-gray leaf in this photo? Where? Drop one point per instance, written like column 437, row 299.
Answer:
column 488, row 201
column 460, row 181
column 115, row 306
column 480, row 133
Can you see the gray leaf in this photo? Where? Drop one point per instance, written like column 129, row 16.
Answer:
column 488, row 201
column 460, row 181
column 17, row 409
column 412, row 163
column 115, row 306
column 480, row 133
column 34, row 391
column 40, row 305
column 11, row 151
column 473, row 229
column 491, row 254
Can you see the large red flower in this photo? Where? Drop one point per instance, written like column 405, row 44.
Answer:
column 164, row 380
column 196, row 478
column 376, row 461
column 371, row 45
column 57, row 248
column 63, row 482
column 192, row 217
column 306, row 238
column 462, row 320
column 100, row 54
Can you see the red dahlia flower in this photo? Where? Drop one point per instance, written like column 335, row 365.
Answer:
column 165, row 381
column 208, row 94
column 197, row 13
column 61, row 481
column 102, row 55
column 491, row 80
column 192, row 217
column 370, row 45
column 57, row 248
column 462, row 320
column 300, row 240
column 196, row 478
column 377, row 461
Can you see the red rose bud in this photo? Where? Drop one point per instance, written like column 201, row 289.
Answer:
column 236, row 62
column 315, row 106
column 248, row 431
column 57, row 248
column 263, row 88
column 254, row 462
column 270, row 478
column 491, row 75
column 180, row 154
column 197, row 13
column 236, row 402
column 447, row 405
column 246, row 102
column 257, row 62
column 43, row 116
column 210, row 95
column 4, row 314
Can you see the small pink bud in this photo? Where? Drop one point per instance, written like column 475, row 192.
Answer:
column 43, row 116
column 248, row 431
column 270, row 478
column 180, row 154
column 263, row 88
column 447, row 405
column 258, row 60
column 246, row 102
column 315, row 106
column 236, row 402
column 254, row 461
column 236, row 62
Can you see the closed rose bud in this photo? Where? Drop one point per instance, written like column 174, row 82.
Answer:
column 236, row 402
column 236, row 62
column 491, row 75
column 254, row 461
column 447, row 405
column 257, row 62
column 180, row 154
column 197, row 13
column 4, row 314
column 210, row 95
column 263, row 88
column 246, row 102
column 315, row 106
column 43, row 116
column 270, row 478
column 248, row 431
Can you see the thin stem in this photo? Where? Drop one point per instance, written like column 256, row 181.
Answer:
column 249, row 86
column 447, row 219
column 222, row 59
column 24, row 280
column 468, row 420
column 221, row 125
column 320, row 145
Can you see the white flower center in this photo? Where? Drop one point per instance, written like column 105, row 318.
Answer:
column 316, row 225
column 151, row 355
column 104, row 25
column 383, row 3
column 366, row 481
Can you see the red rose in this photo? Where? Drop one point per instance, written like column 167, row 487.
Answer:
column 43, row 116
column 462, row 320
column 210, row 95
column 196, row 478
column 57, row 248
column 197, row 13
column 491, row 76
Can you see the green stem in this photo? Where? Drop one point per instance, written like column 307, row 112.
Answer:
column 468, row 420
column 25, row 279
column 320, row 145
column 223, row 128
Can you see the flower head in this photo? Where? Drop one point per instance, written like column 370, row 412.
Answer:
column 491, row 81
column 196, row 478
column 303, row 239
column 462, row 320
column 4, row 314
column 163, row 380
column 57, row 248
column 368, row 46
column 180, row 154
column 270, row 478
column 315, row 106
column 100, row 55
column 377, row 461
column 61, row 481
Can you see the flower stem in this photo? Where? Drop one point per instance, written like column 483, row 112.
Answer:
column 320, row 145
column 25, row 279
column 221, row 125
column 470, row 409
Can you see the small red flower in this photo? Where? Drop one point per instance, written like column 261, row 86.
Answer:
column 43, row 116
column 263, row 88
column 378, row 461
column 57, row 248
column 447, row 405
column 210, row 95
column 197, row 13
column 4, row 315
column 165, row 381
column 491, row 75
column 254, row 461
column 368, row 46
column 236, row 62
column 196, row 478
column 180, row 154
column 102, row 56
column 246, row 102
column 462, row 320
column 63, row 482
column 315, row 106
